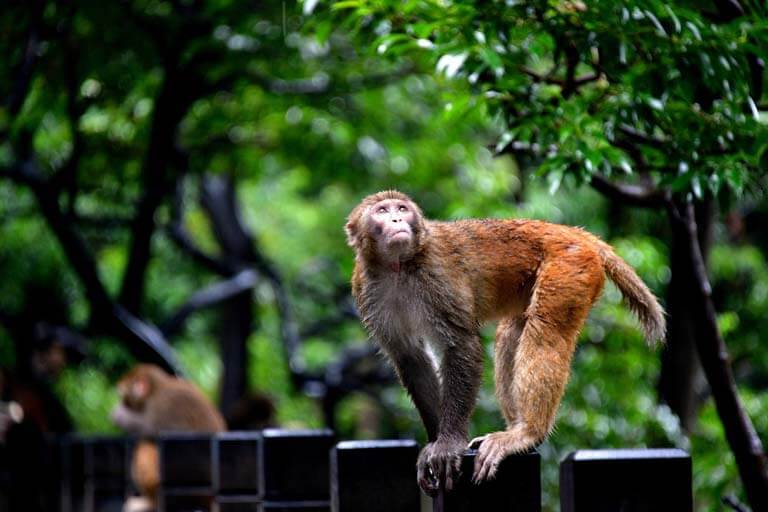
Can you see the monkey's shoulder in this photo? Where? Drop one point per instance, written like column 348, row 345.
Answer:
column 487, row 233
column 494, row 226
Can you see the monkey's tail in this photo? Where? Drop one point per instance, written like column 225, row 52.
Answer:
column 641, row 301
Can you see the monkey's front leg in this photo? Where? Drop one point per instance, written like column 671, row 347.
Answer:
column 418, row 377
column 460, row 373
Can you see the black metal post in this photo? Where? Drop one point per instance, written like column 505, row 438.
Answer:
column 516, row 487
column 236, row 468
column 106, row 479
column 295, row 471
column 375, row 476
column 640, row 480
column 185, row 472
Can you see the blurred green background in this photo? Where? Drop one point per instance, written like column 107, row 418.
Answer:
column 122, row 123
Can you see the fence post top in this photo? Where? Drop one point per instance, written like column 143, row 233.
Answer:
column 626, row 454
column 370, row 444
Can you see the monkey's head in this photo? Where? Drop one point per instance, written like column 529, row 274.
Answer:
column 135, row 389
column 387, row 226
column 138, row 384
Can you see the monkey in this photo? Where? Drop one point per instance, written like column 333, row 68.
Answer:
column 152, row 401
column 424, row 288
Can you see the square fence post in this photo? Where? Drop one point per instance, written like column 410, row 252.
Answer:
column 236, row 478
column 516, row 487
column 374, row 476
column 5, row 479
column 106, row 478
column 643, row 480
column 185, row 472
column 294, row 470
column 72, row 473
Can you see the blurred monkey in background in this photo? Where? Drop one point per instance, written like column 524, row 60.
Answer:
column 152, row 401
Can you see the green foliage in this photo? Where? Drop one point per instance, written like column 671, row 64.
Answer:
column 89, row 397
column 572, row 83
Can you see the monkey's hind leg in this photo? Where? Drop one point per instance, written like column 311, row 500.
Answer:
column 531, row 374
column 507, row 337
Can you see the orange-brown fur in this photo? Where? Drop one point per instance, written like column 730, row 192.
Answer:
column 151, row 401
column 538, row 280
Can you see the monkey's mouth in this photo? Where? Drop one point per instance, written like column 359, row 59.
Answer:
column 400, row 235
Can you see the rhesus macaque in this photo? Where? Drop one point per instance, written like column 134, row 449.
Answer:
column 151, row 401
column 424, row 288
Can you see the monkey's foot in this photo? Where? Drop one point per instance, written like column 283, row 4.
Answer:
column 439, row 464
column 475, row 443
column 494, row 448
column 138, row 504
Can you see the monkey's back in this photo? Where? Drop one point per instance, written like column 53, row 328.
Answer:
column 182, row 407
column 499, row 259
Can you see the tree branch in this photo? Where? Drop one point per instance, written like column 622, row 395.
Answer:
column 183, row 240
column 637, row 136
column 176, row 95
column 549, row 79
column 739, row 430
column 635, row 195
column 210, row 296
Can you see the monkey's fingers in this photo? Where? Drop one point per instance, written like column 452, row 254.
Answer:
column 452, row 471
column 426, row 479
column 476, row 442
column 487, row 461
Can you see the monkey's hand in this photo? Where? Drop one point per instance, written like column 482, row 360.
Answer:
column 439, row 462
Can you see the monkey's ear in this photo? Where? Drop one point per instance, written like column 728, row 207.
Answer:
column 351, row 229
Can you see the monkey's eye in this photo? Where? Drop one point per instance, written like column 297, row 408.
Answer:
column 382, row 209
column 403, row 208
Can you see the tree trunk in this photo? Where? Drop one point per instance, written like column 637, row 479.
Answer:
column 220, row 202
column 739, row 431
column 236, row 328
column 682, row 384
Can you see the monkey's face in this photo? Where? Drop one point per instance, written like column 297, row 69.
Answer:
column 391, row 224
column 386, row 227
column 128, row 414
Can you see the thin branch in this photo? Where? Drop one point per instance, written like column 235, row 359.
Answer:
column 550, row 79
column 740, row 433
column 152, row 344
column 183, row 241
column 635, row 195
column 637, row 136
column 176, row 232
column 289, row 330
column 210, row 296
column 732, row 502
